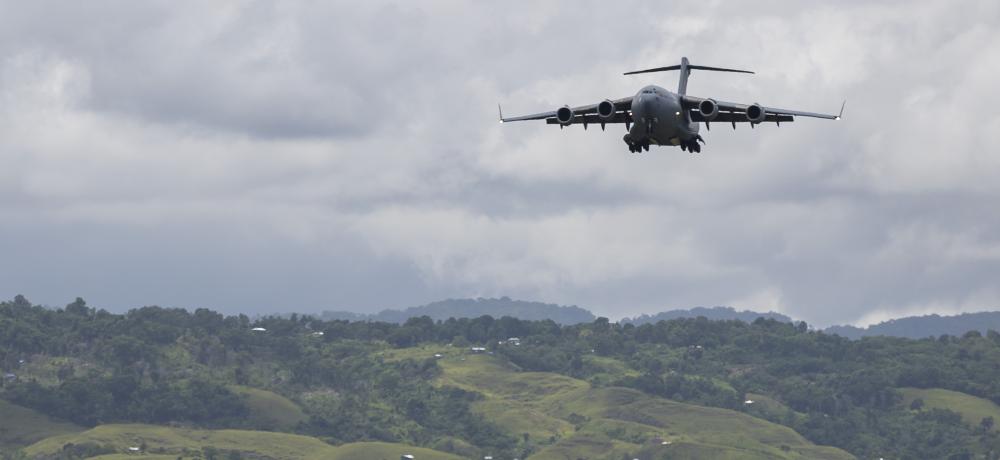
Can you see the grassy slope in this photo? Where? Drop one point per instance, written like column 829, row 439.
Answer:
column 610, row 422
column 275, row 445
column 972, row 408
column 607, row 369
column 133, row 457
column 564, row 418
column 271, row 410
column 766, row 406
column 420, row 352
column 20, row 427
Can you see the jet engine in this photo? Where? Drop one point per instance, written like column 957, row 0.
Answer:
column 709, row 109
column 606, row 109
column 756, row 113
column 564, row 115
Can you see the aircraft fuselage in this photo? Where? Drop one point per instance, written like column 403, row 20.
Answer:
column 660, row 119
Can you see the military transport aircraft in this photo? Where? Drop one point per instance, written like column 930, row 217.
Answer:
column 655, row 116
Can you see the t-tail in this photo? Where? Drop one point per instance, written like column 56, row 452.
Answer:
column 686, row 67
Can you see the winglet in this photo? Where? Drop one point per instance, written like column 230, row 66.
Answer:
column 501, row 112
column 839, row 116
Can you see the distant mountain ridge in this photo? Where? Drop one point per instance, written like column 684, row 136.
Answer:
column 527, row 310
column 474, row 308
column 914, row 327
column 713, row 313
column 918, row 327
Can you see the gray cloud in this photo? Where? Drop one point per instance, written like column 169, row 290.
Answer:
column 261, row 156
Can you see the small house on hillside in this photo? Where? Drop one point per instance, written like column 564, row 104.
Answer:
column 478, row 349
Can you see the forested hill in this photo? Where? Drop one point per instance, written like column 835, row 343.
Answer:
column 178, row 383
column 918, row 327
column 474, row 308
column 714, row 313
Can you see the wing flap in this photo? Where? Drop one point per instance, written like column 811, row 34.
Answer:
column 594, row 119
column 740, row 117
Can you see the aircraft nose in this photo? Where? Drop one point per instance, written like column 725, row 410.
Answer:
column 642, row 102
column 645, row 104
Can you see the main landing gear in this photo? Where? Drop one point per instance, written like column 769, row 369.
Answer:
column 634, row 146
column 692, row 144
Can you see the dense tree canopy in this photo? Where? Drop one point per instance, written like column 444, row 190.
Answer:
column 161, row 365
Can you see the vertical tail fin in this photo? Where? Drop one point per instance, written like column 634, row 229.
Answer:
column 682, row 82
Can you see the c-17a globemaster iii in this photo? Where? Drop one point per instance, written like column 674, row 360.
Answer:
column 656, row 116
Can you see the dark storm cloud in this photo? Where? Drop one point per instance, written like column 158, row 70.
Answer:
column 264, row 156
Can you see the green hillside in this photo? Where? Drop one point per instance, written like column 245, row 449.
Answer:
column 569, row 419
column 270, row 410
column 297, row 387
column 972, row 409
column 132, row 457
column 769, row 408
column 186, row 442
column 559, row 417
column 20, row 426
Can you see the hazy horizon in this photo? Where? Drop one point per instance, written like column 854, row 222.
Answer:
column 870, row 321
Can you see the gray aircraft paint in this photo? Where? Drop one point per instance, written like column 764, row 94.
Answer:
column 656, row 116
column 661, row 118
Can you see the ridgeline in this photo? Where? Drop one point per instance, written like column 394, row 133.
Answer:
column 918, row 327
column 474, row 308
column 915, row 327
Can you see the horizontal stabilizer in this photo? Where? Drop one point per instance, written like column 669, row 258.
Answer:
column 690, row 66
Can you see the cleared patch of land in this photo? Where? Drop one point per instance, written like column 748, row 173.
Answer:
column 20, row 427
column 972, row 408
column 567, row 418
column 184, row 442
column 767, row 407
column 270, row 410
column 133, row 457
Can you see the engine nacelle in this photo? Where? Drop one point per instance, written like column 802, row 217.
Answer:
column 709, row 109
column 606, row 109
column 756, row 113
column 564, row 115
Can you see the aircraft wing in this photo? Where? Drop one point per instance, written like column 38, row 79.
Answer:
column 581, row 114
column 731, row 112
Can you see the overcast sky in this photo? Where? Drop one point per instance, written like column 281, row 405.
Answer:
column 305, row 156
